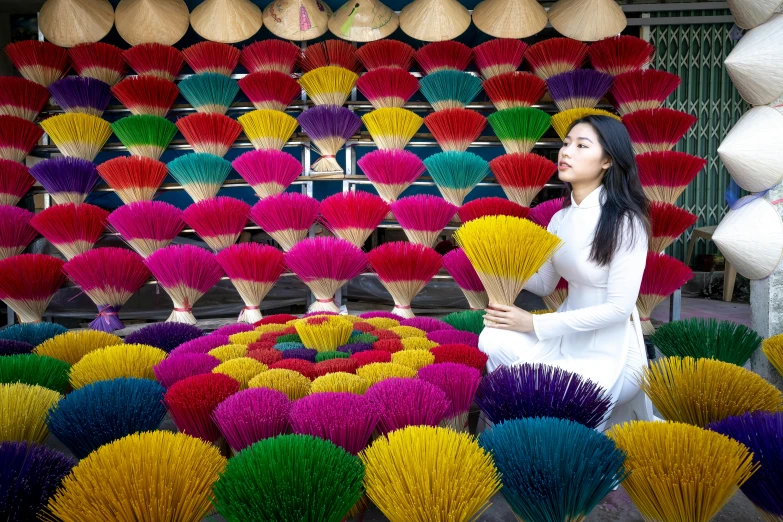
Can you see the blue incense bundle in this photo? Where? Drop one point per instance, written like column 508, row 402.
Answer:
column 165, row 336
column 553, row 470
column 67, row 179
column 32, row 333
column 450, row 89
column 104, row 411
column 578, row 89
column 762, row 433
column 209, row 92
column 328, row 127
column 538, row 390
column 81, row 94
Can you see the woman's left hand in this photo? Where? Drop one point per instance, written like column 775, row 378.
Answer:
column 508, row 318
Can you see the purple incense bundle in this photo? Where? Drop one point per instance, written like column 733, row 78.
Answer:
column 328, row 127
column 305, row 354
column 346, row 419
column 233, row 328
column 454, row 337
column 354, row 348
column 762, row 433
column 175, row 368
column 538, row 390
column 460, row 384
column 252, row 415
column 201, row 345
column 165, row 336
column 147, row 226
column 13, row 347
column 80, row 94
column 408, row 402
column 578, row 89
column 428, row 324
column 66, row 179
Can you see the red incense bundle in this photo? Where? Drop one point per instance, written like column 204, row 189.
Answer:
column 338, row 53
column 98, row 60
column 514, row 89
column 41, row 62
column 72, row 229
column 133, row 178
column 639, row 90
column 21, row 98
column 423, row 217
column 404, row 269
column 542, row 213
column 253, row 269
column 186, row 273
column 391, row 171
column 491, row 207
column 668, row 223
column 498, row 56
column 439, row 56
column 287, row 217
column 212, row 57
column 353, row 216
column 28, row 282
column 665, row 175
column 458, row 266
column 662, row 276
column 147, row 226
column 154, row 59
column 657, row 129
column 16, row 232
column 522, row 176
column 554, row 56
column 209, row 132
column 15, row 181
column 17, row 137
column 554, row 300
column 270, row 89
column 620, row 54
column 146, row 95
column 109, row 276
column 387, row 87
column 325, row 264
column 455, row 129
column 268, row 171
column 218, row 221
column 386, row 53
column 192, row 401
column 270, row 55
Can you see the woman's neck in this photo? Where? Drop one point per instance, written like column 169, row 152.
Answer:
column 580, row 192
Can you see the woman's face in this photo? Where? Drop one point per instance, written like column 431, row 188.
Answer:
column 581, row 159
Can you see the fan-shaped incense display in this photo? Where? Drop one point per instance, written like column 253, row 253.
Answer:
column 17, row 137
column 662, row 276
column 353, row 216
column 253, row 269
column 270, row 55
column 201, row 174
column 643, row 89
column 133, row 178
column 340, row 382
column 413, row 359
column 330, row 52
column 657, row 129
column 269, row 172
column 466, row 321
column 387, row 87
column 287, row 217
column 209, row 132
column 147, row 226
column 72, row 346
column 392, row 128
column 186, row 273
column 155, row 59
column 562, row 121
column 77, row 135
column 434, row 20
column 391, row 171
column 81, row 95
column 12, row 347
column 17, row 231
column 39, row 62
column 112, row 362
column 460, row 354
column 202, row 344
column 665, row 175
column 252, row 415
column 556, row 299
column 406, row 402
column 68, row 180
column 35, row 370
column 509, row 19
column 28, row 282
column 754, row 65
column 192, row 401
column 211, row 57
column 519, row 129
column 21, row 98
column 459, row 383
column 183, row 365
column 455, row 129
column 423, row 217
column 668, row 223
column 300, row 21
column 268, row 129
column 385, row 53
column 707, row 339
column 218, row 221
column 616, row 55
column 226, row 21
column 270, row 89
column 456, row 173
column 345, row 419
column 241, row 369
column 146, row 95
column 449, row 89
column 209, row 92
column 15, row 181
column 328, row 128
column 491, row 207
column 145, row 135
column 582, row 88
column 24, row 409
column 329, row 85
column 152, row 23
column 98, row 60
column 499, row 56
column 555, row 55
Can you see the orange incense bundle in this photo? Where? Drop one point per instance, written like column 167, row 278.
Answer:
column 522, row 176
column 455, row 129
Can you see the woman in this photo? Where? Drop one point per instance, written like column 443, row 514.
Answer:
column 604, row 226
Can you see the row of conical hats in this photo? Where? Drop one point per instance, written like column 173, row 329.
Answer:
column 750, row 236
column 71, row 22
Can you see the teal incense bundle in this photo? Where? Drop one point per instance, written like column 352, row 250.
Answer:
column 456, row 173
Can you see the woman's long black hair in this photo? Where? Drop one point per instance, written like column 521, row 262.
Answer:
column 624, row 202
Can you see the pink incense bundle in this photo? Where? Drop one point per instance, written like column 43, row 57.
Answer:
column 514, row 89
column 252, row 415
column 491, row 207
column 253, row 269
column 662, row 276
column 218, row 221
column 17, row 137
column 460, row 383
column 456, row 128
column 640, row 90
column 325, row 264
column 423, row 217
column 353, row 216
column 387, row 87
column 555, row 55
column 109, row 276
column 668, row 223
column 543, row 213
column 657, row 129
column 28, row 282
column 439, row 56
column 212, row 57
column 209, row 132
column 268, row 171
column 185, row 272
column 181, row 366
column 15, row 181
column 522, row 175
column 666, row 175
column 133, row 178
column 498, row 56
column 407, row 402
column 270, row 89
column 192, row 401
column 554, row 300
column 404, row 269
column 72, row 229
column 147, row 226
column 391, row 171
column 458, row 266
column 16, row 232
column 287, row 217
column 454, row 337
column 270, row 55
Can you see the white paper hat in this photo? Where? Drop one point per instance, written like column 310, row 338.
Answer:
column 363, row 21
column 146, row 21
column 751, row 238
column 72, row 22
column 510, row 18
column 756, row 63
column 226, row 21
column 297, row 20
column 587, row 20
column 751, row 13
column 434, row 20
column 751, row 150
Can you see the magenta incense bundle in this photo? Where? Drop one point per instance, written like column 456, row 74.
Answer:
column 287, row 217
column 268, row 171
column 253, row 269
column 147, row 226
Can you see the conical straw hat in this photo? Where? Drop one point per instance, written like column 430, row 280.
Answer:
column 297, row 20
column 751, row 13
column 148, row 21
column 587, row 20
column 510, row 18
column 363, row 21
column 226, row 21
column 434, row 20
column 751, row 238
column 72, row 22
column 751, row 150
column 756, row 63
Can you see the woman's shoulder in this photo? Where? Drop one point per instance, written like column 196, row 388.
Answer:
column 557, row 218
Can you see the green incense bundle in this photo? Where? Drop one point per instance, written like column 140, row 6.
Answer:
column 35, row 370
column 707, row 339
column 519, row 128
column 145, row 135
column 467, row 321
